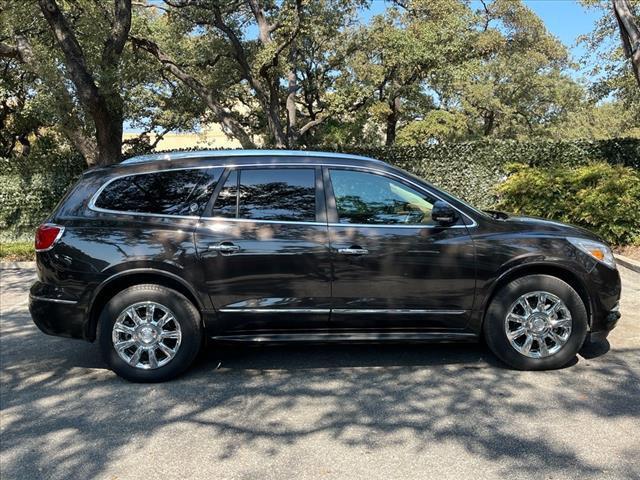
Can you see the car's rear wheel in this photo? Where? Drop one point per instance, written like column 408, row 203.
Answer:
column 536, row 322
column 149, row 333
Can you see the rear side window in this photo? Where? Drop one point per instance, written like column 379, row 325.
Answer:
column 278, row 194
column 174, row 192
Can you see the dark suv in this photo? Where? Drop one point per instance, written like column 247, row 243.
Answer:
column 152, row 256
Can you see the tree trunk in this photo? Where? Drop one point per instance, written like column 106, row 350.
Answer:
column 273, row 120
column 630, row 33
column 103, row 103
column 392, row 121
column 489, row 123
column 292, row 89
column 109, row 137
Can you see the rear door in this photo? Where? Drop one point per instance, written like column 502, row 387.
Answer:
column 394, row 269
column 264, row 248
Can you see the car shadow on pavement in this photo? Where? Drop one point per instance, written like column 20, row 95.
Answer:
column 64, row 414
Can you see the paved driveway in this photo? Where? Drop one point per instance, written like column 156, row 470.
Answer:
column 317, row 412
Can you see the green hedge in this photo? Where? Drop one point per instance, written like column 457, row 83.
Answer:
column 472, row 170
column 27, row 200
column 30, row 187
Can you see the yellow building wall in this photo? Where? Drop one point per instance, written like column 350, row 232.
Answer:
column 212, row 137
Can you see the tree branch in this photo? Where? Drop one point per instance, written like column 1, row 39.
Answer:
column 82, row 79
column 21, row 51
column 229, row 124
column 630, row 33
column 119, row 33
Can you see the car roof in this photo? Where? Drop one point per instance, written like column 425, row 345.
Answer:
column 307, row 156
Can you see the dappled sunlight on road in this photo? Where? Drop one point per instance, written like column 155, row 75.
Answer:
column 315, row 411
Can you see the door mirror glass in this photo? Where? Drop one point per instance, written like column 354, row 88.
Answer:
column 443, row 214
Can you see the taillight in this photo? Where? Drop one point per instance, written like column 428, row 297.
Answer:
column 47, row 235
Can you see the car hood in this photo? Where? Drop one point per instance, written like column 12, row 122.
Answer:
column 542, row 224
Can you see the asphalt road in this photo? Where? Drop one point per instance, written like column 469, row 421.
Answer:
column 317, row 412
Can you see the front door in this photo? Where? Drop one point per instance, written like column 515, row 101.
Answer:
column 265, row 252
column 394, row 269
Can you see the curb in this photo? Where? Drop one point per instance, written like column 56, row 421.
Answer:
column 628, row 262
column 16, row 265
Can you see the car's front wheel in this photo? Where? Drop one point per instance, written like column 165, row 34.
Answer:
column 536, row 322
column 149, row 333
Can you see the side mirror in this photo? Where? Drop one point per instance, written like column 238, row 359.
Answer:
column 443, row 213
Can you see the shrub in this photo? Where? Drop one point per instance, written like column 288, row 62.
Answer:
column 598, row 196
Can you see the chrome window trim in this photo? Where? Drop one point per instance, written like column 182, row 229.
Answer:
column 53, row 300
column 405, row 180
column 283, row 164
column 374, row 225
column 95, row 196
column 248, row 220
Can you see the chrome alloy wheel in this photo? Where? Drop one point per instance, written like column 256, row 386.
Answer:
column 146, row 335
column 538, row 324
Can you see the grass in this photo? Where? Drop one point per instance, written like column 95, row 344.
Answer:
column 17, row 252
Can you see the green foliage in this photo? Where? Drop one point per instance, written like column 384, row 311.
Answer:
column 49, row 153
column 606, row 63
column 26, row 200
column 599, row 121
column 437, row 125
column 601, row 197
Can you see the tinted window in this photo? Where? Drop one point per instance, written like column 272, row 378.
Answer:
column 285, row 194
column 367, row 198
column 177, row 192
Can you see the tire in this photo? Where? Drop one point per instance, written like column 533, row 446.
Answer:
column 175, row 323
column 572, row 315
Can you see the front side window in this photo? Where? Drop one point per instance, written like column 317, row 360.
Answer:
column 371, row 199
column 277, row 194
column 174, row 192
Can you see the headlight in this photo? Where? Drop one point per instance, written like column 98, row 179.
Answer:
column 596, row 250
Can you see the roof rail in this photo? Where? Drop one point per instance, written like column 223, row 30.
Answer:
column 169, row 156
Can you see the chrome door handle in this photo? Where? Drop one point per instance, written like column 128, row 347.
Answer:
column 225, row 247
column 353, row 251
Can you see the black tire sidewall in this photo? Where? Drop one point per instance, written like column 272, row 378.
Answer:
column 495, row 334
column 186, row 315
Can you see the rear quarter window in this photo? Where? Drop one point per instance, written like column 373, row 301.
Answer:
column 172, row 192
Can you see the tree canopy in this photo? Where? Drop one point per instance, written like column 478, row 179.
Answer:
column 291, row 73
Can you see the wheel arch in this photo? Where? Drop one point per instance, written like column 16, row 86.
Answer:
column 120, row 281
column 554, row 270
